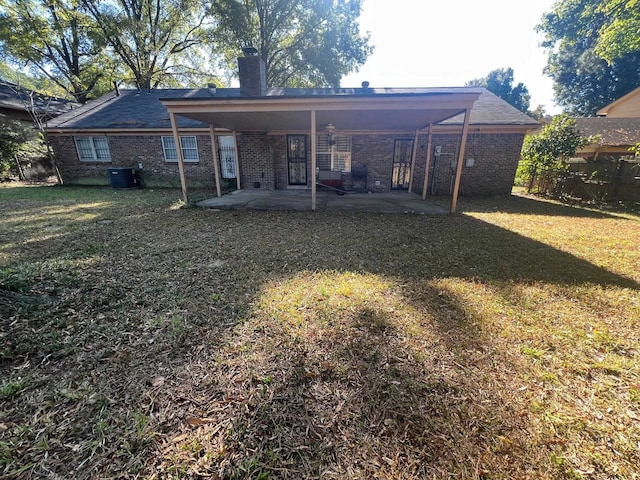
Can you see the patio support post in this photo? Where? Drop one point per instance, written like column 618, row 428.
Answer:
column 235, row 147
column 313, row 160
column 414, row 153
column 216, row 164
column 176, row 139
column 427, row 164
column 463, row 145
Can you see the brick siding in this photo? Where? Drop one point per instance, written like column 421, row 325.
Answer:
column 130, row 151
column 263, row 159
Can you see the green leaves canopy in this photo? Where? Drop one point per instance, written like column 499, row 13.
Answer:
column 500, row 82
column 591, row 61
column 155, row 39
column 57, row 38
column 304, row 43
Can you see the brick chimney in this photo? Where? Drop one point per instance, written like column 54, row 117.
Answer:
column 251, row 70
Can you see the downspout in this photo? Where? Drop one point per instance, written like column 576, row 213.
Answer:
column 427, row 164
column 463, row 145
column 216, row 164
column 176, row 139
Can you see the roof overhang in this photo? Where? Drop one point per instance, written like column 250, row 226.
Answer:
column 353, row 113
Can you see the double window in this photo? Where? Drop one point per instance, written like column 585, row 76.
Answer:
column 189, row 149
column 93, row 149
column 334, row 153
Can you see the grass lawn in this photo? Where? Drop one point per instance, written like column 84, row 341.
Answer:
column 139, row 339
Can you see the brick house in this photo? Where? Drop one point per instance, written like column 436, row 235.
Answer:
column 371, row 139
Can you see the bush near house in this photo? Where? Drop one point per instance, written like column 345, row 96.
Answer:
column 19, row 143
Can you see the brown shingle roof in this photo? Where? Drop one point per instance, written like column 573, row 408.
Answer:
column 612, row 131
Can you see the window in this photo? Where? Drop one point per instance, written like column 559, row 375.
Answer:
column 93, row 149
column 336, row 157
column 189, row 149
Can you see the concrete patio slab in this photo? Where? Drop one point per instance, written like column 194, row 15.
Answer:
column 300, row 200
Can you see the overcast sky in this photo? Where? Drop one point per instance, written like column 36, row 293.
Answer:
column 436, row 43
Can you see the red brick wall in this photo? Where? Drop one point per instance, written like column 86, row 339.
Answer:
column 263, row 158
column 129, row 151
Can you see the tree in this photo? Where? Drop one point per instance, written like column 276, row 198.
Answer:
column 584, row 81
column 304, row 43
column 154, row 39
column 16, row 138
column 57, row 39
column 544, row 155
column 621, row 34
column 500, row 82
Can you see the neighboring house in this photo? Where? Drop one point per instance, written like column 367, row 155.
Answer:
column 20, row 103
column 608, row 169
column 368, row 139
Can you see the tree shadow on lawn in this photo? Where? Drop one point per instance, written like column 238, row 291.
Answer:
column 152, row 338
column 351, row 392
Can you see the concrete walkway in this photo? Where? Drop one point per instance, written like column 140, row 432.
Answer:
column 300, row 200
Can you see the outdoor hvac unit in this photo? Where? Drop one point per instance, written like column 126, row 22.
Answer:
column 124, row 178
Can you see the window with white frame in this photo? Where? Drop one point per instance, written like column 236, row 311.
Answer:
column 334, row 153
column 93, row 149
column 189, row 149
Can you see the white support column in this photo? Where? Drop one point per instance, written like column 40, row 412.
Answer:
column 235, row 146
column 313, row 159
column 463, row 145
column 414, row 153
column 176, row 139
column 427, row 164
column 216, row 163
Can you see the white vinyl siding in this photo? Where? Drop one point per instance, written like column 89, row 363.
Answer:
column 189, row 149
column 93, row 149
column 336, row 157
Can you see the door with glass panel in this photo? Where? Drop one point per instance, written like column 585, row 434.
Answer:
column 297, row 159
column 402, row 152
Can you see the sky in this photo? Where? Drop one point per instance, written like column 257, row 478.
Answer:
column 446, row 43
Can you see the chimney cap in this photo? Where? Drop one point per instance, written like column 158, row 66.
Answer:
column 365, row 85
column 249, row 51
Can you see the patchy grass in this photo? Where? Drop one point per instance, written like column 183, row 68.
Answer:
column 143, row 340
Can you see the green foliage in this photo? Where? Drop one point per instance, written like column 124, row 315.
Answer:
column 304, row 43
column 500, row 82
column 619, row 36
column 544, row 155
column 590, row 65
column 59, row 41
column 16, row 139
column 155, row 41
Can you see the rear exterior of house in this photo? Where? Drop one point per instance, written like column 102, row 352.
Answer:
column 268, row 150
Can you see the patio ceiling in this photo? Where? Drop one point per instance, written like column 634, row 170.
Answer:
column 347, row 113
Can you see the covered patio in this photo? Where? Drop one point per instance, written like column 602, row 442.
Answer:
column 368, row 111
column 299, row 200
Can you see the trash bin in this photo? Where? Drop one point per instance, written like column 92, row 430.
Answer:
column 124, row 178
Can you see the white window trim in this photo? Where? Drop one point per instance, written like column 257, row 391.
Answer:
column 94, row 155
column 336, row 154
column 184, row 157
